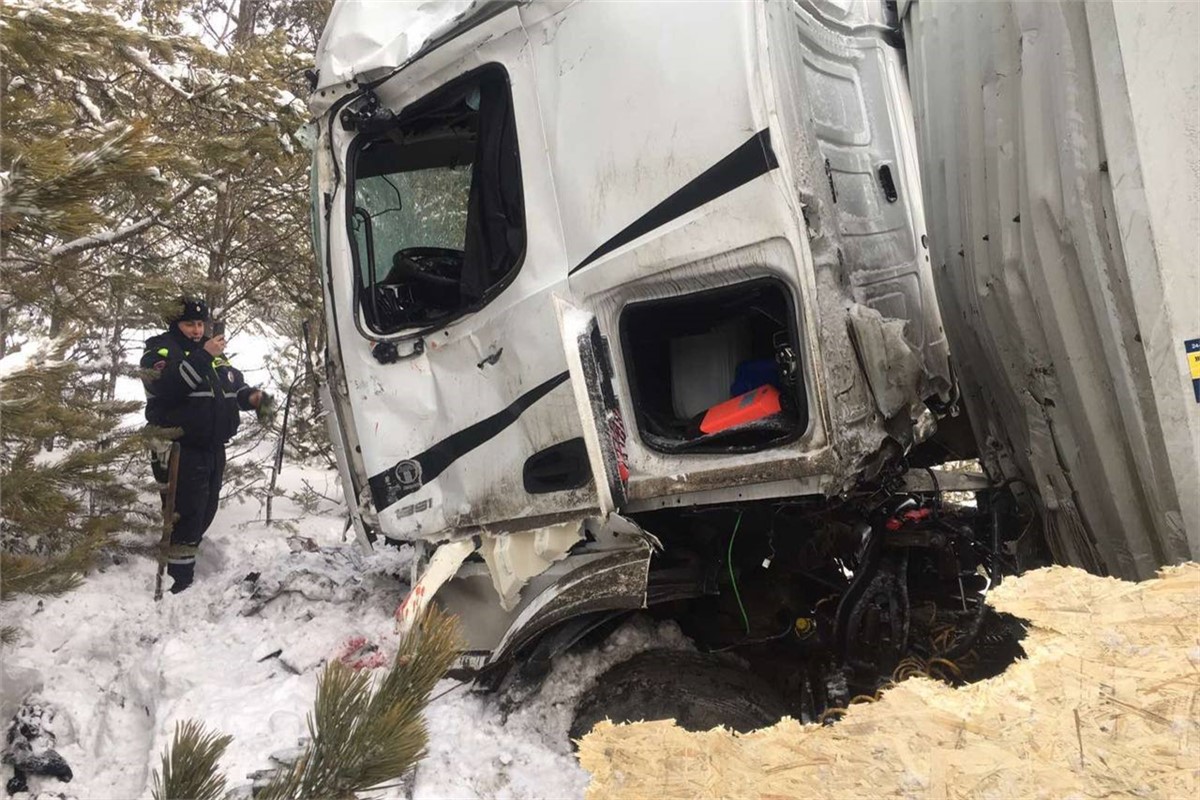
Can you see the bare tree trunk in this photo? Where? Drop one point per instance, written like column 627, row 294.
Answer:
column 218, row 291
column 310, row 365
column 247, row 15
column 56, row 317
column 116, row 349
column 56, row 324
column 3, row 330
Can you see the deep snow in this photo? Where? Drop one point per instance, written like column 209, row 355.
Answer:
column 121, row 670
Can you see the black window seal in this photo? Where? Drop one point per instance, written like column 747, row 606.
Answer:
column 360, row 140
column 368, row 231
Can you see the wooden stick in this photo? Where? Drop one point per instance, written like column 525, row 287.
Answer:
column 168, row 518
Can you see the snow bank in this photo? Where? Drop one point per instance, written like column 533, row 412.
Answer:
column 242, row 649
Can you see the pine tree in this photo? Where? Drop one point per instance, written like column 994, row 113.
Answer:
column 128, row 144
column 362, row 734
column 279, row 291
column 59, row 507
column 80, row 179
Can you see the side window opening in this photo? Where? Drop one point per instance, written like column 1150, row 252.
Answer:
column 716, row 371
column 438, row 223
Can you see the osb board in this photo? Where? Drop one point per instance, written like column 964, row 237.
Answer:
column 1105, row 705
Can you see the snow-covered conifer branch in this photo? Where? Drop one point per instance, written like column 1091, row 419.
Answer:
column 140, row 61
column 126, row 231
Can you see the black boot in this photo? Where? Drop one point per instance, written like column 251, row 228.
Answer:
column 183, row 575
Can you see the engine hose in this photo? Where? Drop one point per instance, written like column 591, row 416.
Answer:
column 962, row 646
column 733, row 577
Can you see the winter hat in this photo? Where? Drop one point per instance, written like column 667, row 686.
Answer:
column 190, row 309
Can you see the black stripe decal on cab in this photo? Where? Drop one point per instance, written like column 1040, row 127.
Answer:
column 749, row 161
column 411, row 474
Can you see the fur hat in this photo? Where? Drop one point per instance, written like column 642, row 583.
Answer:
column 191, row 308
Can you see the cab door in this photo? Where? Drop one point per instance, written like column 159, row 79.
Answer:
column 589, row 364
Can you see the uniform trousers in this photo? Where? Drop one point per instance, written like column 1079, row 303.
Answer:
column 197, row 493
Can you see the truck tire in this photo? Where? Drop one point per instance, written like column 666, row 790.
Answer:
column 698, row 690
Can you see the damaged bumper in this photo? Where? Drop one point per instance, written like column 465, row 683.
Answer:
column 508, row 590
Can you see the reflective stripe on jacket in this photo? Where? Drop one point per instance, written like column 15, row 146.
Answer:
column 189, row 389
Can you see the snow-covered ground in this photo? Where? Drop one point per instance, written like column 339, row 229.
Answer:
column 243, row 656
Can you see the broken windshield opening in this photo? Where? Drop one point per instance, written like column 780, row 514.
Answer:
column 438, row 217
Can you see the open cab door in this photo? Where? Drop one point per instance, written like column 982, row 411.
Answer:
column 589, row 363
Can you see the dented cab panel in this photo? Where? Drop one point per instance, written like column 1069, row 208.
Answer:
column 733, row 215
column 445, row 428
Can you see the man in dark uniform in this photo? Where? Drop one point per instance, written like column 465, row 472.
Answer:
column 192, row 387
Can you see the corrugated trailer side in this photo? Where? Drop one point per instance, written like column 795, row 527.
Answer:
column 1059, row 154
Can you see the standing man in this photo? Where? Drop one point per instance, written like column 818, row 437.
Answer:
column 192, row 387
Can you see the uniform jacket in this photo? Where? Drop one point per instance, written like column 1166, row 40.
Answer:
column 188, row 388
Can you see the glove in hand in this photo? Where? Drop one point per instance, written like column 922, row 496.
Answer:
column 266, row 409
column 159, row 440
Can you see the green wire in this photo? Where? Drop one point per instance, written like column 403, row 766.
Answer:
column 732, row 579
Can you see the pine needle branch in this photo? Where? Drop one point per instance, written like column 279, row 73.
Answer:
column 47, row 575
column 112, row 237
column 189, row 767
column 363, row 735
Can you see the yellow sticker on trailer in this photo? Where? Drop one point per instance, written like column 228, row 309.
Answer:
column 1192, row 347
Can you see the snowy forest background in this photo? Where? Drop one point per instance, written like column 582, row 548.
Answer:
column 148, row 145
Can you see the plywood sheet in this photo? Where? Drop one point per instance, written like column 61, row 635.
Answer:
column 1106, row 704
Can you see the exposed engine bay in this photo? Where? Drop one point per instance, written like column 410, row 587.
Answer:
column 868, row 599
column 827, row 603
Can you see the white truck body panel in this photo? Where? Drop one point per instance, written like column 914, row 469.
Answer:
column 671, row 153
column 1059, row 152
column 364, row 39
column 626, row 115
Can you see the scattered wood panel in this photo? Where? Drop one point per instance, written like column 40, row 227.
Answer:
column 1105, row 705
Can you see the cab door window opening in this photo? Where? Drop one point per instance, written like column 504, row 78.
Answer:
column 438, row 218
column 716, row 371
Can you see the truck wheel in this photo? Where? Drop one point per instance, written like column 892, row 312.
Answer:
column 699, row 691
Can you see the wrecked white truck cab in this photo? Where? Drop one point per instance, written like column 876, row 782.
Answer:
column 585, row 262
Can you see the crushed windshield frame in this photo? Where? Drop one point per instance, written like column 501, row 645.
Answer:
column 492, row 253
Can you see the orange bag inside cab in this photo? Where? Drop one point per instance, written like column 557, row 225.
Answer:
column 754, row 405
